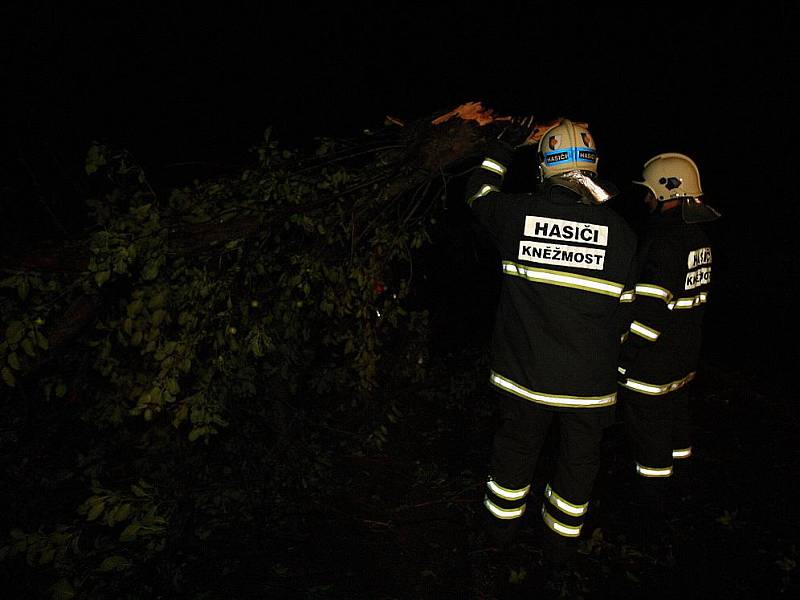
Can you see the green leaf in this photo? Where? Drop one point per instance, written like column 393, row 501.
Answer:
column 195, row 433
column 48, row 554
column 62, row 590
column 142, row 211
column 23, row 289
column 96, row 511
column 101, row 277
column 150, row 270
column 14, row 332
column 114, row 563
column 135, row 307
column 13, row 361
column 123, row 513
column 8, row 377
column 95, row 158
column 42, row 341
column 130, row 532
column 27, row 346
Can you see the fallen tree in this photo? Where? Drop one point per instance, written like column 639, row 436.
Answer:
column 236, row 305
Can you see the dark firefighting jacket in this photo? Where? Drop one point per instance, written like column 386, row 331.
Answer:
column 567, row 281
column 662, row 348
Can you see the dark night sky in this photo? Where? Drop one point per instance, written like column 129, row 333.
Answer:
column 186, row 83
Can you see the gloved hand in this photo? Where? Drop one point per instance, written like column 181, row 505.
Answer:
column 518, row 130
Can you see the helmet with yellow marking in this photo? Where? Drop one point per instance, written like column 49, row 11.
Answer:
column 566, row 147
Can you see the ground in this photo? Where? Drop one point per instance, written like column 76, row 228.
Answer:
column 403, row 521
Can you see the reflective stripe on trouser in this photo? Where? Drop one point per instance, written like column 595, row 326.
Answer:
column 658, row 427
column 505, row 502
column 562, row 516
column 681, row 453
column 517, row 444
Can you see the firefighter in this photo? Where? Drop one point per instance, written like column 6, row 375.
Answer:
column 660, row 354
column 566, row 259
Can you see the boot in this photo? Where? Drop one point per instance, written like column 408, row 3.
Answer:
column 501, row 533
column 650, row 519
column 558, row 551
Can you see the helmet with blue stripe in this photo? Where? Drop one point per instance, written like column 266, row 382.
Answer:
column 566, row 147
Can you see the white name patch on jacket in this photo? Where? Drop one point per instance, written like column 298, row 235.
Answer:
column 566, row 231
column 698, row 277
column 699, row 257
column 565, row 256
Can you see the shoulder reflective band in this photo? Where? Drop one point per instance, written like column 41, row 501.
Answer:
column 579, row 282
column 551, row 399
column 506, row 493
column 576, row 510
column 622, row 371
column 503, row 513
column 653, row 472
column 644, row 331
column 560, row 528
column 493, row 166
column 485, row 189
column 682, row 453
column 653, row 291
column 572, row 153
column 627, row 296
column 652, row 389
column 690, row 302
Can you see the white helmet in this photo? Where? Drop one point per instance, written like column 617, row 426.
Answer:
column 567, row 147
column 671, row 176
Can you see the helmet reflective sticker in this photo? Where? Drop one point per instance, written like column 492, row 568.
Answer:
column 567, row 147
column 588, row 155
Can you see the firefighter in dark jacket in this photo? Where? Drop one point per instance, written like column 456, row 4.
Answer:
column 567, row 260
column 660, row 354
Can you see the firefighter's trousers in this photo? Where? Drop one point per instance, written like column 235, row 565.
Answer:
column 659, row 430
column 517, row 444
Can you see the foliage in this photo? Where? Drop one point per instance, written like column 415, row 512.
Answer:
column 236, row 317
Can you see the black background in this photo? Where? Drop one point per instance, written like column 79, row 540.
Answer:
column 178, row 82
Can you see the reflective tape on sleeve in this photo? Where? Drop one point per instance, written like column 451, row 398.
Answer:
column 505, row 493
column 653, row 389
column 653, row 291
column 653, row 471
column 690, row 302
column 493, row 166
column 576, row 510
column 503, row 513
column 561, row 278
column 644, row 331
column 627, row 296
column 559, row 527
column 485, row 189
